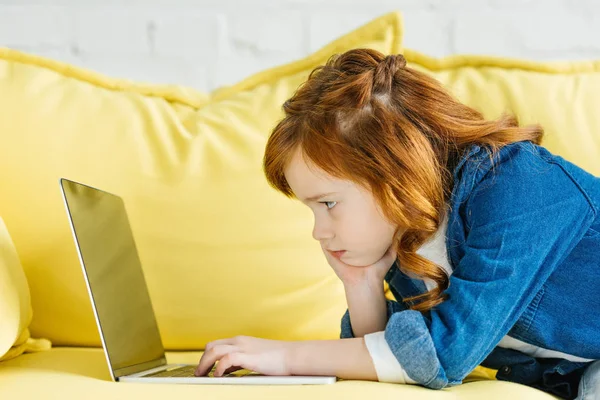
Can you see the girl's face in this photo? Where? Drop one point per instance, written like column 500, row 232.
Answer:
column 346, row 215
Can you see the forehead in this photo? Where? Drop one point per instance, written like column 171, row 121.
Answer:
column 306, row 179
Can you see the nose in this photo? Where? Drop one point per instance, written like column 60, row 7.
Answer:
column 322, row 230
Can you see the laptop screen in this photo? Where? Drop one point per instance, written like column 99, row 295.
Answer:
column 114, row 273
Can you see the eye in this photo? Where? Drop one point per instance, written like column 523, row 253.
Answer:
column 327, row 204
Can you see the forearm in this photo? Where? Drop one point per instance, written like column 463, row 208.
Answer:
column 344, row 358
column 367, row 307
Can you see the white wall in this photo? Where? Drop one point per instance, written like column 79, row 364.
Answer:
column 209, row 43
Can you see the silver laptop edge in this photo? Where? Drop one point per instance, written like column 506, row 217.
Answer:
column 133, row 369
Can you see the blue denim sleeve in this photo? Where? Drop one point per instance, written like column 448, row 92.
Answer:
column 522, row 219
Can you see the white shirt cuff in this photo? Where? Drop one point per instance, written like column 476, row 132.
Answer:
column 386, row 364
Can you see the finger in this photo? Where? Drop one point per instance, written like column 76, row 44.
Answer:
column 234, row 359
column 208, row 359
column 210, row 356
column 231, row 369
column 209, row 346
column 219, row 342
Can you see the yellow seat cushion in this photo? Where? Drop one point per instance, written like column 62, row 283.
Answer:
column 83, row 373
column 15, row 303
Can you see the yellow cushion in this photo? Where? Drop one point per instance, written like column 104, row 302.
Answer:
column 222, row 252
column 83, row 373
column 15, row 303
column 562, row 96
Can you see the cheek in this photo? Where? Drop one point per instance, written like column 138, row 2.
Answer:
column 360, row 231
column 376, row 232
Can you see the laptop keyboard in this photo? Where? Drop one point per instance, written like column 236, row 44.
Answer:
column 188, row 371
column 180, row 372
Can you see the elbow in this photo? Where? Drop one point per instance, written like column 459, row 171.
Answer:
column 443, row 378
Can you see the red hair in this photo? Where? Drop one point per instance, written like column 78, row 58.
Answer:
column 370, row 119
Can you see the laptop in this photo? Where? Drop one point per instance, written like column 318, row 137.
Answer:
column 121, row 302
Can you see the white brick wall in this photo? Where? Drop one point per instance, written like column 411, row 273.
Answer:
column 210, row 43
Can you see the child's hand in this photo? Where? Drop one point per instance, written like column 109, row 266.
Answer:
column 267, row 357
column 351, row 275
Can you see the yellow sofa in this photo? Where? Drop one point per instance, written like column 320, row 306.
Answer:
column 223, row 254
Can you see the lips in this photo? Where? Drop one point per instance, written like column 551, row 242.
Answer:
column 337, row 254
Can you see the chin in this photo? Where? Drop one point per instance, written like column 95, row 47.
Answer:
column 360, row 263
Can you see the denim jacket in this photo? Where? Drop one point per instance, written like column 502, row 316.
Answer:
column 523, row 240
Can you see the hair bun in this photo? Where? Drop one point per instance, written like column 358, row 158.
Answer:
column 395, row 61
column 385, row 71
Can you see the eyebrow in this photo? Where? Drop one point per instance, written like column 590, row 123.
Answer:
column 317, row 197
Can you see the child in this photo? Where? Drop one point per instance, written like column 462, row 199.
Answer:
column 489, row 242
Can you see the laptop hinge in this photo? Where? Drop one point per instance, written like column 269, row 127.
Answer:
column 132, row 369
